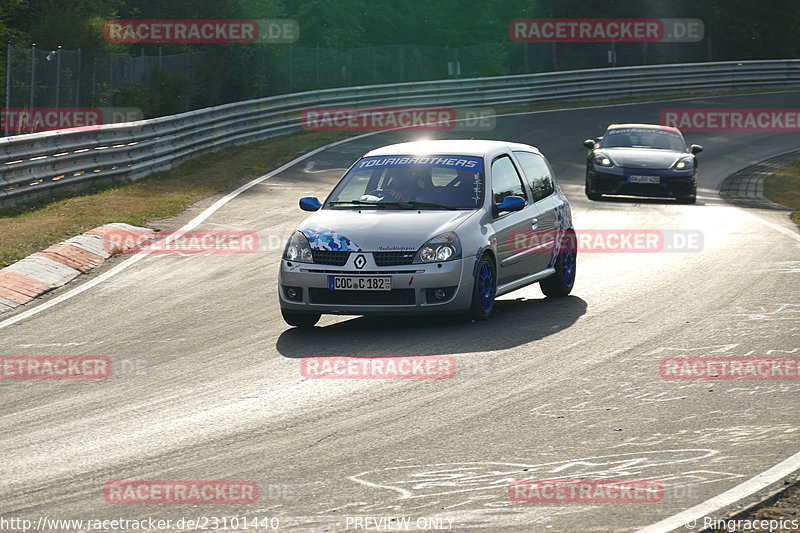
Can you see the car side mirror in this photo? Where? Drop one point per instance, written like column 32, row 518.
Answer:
column 511, row 203
column 588, row 143
column 696, row 149
column 310, row 203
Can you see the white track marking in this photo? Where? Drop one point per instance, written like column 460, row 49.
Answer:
column 688, row 519
column 776, row 227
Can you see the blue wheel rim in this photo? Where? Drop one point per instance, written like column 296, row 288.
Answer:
column 568, row 263
column 486, row 287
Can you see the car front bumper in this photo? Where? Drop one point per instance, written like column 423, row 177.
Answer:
column 671, row 184
column 412, row 288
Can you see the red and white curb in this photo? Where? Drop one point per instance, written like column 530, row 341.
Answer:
column 55, row 266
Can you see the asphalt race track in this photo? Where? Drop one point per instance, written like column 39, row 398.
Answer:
column 546, row 389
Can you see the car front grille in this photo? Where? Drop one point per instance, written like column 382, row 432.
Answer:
column 393, row 258
column 392, row 297
column 327, row 257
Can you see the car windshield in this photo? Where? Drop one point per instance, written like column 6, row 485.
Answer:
column 406, row 182
column 643, row 138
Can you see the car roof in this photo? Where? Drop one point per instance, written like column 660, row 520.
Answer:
column 450, row 147
column 644, row 126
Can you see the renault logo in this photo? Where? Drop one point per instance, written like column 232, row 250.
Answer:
column 360, row 261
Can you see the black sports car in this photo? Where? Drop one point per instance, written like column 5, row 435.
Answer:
column 642, row 160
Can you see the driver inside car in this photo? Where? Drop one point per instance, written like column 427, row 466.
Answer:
column 412, row 184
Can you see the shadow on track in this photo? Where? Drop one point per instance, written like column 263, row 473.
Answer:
column 516, row 322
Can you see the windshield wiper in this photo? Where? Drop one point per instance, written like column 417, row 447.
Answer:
column 413, row 203
column 355, row 202
column 405, row 205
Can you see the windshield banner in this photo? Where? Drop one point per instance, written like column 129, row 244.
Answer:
column 472, row 164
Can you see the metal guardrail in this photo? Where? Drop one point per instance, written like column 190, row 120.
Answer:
column 40, row 164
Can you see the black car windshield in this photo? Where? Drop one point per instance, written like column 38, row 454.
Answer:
column 412, row 182
column 661, row 139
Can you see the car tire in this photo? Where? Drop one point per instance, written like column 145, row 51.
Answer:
column 592, row 195
column 688, row 199
column 300, row 319
column 484, row 289
column 561, row 282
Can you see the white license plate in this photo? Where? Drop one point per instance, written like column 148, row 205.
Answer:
column 359, row 283
column 645, row 179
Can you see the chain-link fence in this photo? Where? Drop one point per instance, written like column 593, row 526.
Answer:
column 59, row 79
column 162, row 84
column 302, row 69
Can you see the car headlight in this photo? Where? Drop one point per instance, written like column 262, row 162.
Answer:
column 297, row 249
column 603, row 160
column 684, row 164
column 443, row 247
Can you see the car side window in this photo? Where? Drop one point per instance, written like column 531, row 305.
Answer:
column 538, row 172
column 505, row 180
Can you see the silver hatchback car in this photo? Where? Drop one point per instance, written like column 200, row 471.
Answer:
column 430, row 226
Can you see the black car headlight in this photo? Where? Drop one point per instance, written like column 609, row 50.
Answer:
column 444, row 247
column 602, row 160
column 297, row 249
column 685, row 163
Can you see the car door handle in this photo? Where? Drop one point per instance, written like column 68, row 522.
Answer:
column 534, row 223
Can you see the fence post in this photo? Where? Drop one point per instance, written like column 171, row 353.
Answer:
column 188, row 104
column 33, row 72
column 374, row 67
column 58, row 76
column 7, row 129
column 110, row 80
column 402, row 64
column 78, row 82
column 350, row 67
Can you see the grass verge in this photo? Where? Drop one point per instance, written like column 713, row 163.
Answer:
column 783, row 187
